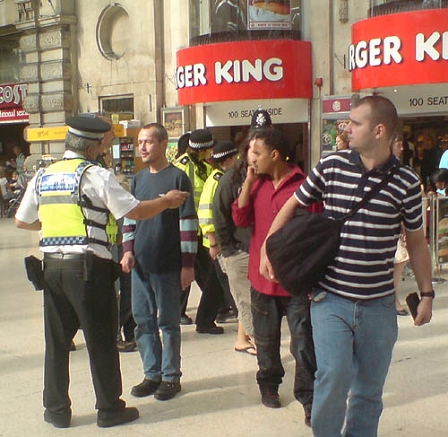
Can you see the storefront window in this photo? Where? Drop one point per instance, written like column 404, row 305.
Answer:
column 384, row 7
column 118, row 107
column 230, row 20
column 10, row 59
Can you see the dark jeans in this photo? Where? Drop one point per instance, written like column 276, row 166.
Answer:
column 267, row 312
column 80, row 294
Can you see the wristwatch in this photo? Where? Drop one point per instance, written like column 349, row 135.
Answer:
column 428, row 294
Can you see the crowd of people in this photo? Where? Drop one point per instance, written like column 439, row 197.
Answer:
column 14, row 177
column 205, row 217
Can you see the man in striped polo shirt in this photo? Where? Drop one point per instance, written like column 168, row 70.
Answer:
column 353, row 307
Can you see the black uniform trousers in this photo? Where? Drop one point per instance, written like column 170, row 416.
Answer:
column 79, row 293
column 126, row 319
column 212, row 293
column 208, row 281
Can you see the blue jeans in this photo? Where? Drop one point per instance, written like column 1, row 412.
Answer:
column 353, row 342
column 267, row 313
column 156, row 305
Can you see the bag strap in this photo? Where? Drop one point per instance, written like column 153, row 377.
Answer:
column 369, row 195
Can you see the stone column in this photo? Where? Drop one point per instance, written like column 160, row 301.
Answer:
column 50, row 71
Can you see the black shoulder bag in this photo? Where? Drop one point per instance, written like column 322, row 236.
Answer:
column 301, row 251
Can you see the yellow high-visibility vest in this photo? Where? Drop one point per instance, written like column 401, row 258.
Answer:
column 61, row 203
column 205, row 211
column 185, row 163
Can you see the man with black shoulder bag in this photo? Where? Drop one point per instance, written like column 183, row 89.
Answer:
column 270, row 181
column 353, row 304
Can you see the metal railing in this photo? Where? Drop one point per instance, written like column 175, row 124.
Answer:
column 435, row 211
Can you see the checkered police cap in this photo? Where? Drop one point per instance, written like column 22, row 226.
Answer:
column 224, row 149
column 201, row 139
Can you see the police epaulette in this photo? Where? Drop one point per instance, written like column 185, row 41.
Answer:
column 185, row 160
column 217, row 176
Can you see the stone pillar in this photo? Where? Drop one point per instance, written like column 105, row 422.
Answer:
column 50, row 71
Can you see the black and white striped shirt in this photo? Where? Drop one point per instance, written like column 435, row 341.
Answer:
column 363, row 268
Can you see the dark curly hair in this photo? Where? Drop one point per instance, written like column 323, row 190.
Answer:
column 274, row 139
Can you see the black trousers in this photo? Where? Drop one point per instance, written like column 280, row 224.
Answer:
column 212, row 292
column 124, row 286
column 126, row 320
column 79, row 293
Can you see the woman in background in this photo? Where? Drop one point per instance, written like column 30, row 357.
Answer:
column 341, row 142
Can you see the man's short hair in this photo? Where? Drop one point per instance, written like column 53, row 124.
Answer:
column 382, row 111
column 274, row 139
column 159, row 131
column 77, row 144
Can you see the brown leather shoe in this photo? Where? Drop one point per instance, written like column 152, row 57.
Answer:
column 270, row 399
column 167, row 390
column 145, row 388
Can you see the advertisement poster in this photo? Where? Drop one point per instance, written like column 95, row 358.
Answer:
column 272, row 14
column 330, row 129
column 174, row 120
column 171, row 151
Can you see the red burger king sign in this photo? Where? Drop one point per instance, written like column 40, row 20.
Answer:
column 400, row 49
column 244, row 70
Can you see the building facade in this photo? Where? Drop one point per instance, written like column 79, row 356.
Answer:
column 191, row 64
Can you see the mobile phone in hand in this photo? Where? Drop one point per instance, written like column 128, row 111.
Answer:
column 412, row 301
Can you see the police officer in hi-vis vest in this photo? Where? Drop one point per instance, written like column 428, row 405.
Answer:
column 223, row 157
column 70, row 203
column 194, row 163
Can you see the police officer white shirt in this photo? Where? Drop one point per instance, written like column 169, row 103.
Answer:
column 103, row 190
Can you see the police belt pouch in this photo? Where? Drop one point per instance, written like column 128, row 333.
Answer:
column 301, row 251
column 34, row 271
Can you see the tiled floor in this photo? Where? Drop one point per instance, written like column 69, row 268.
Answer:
column 219, row 396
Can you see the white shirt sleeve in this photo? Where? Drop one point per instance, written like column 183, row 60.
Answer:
column 101, row 186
